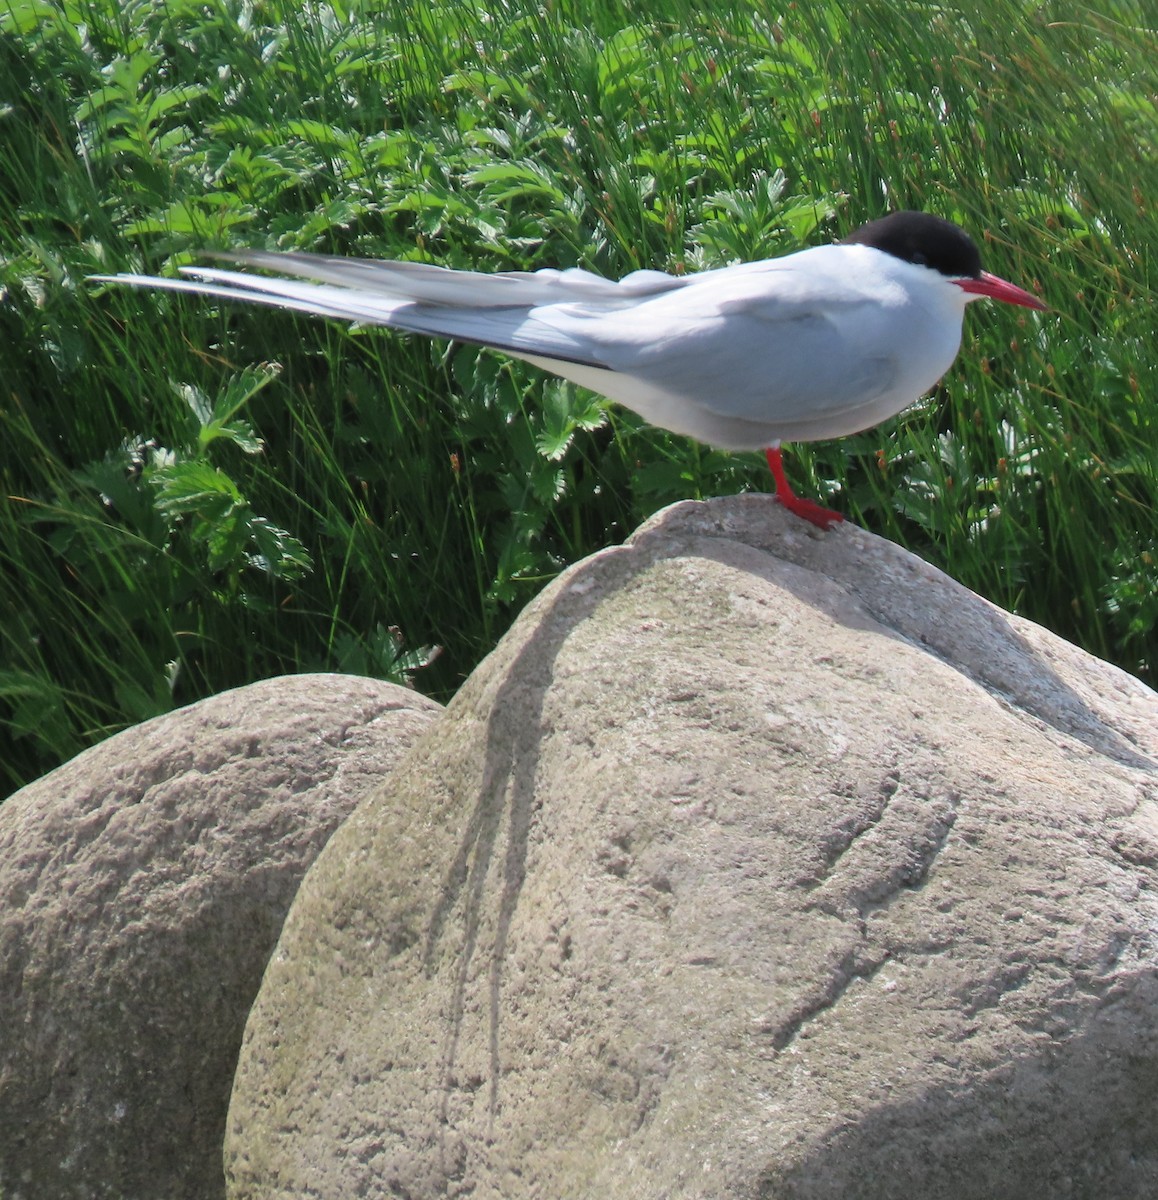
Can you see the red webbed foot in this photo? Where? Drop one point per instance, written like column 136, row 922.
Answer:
column 809, row 510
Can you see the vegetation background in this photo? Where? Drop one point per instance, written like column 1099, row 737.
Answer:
column 197, row 495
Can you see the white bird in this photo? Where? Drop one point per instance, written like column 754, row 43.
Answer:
column 818, row 344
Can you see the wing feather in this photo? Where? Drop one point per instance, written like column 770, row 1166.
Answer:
column 761, row 344
column 426, row 282
column 514, row 330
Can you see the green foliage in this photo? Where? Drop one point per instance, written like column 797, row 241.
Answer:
column 383, row 495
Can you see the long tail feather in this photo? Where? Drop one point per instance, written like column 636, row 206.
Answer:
column 513, row 329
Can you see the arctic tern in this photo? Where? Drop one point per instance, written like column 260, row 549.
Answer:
column 818, row 344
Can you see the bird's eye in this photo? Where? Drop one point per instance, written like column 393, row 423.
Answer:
column 920, row 260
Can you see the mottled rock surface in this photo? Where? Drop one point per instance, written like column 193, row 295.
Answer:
column 142, row 888
column 753, row 863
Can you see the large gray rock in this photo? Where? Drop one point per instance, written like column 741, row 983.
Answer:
column 142, row 889
column 753, row 863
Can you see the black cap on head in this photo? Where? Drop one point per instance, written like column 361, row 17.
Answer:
column 923, row 239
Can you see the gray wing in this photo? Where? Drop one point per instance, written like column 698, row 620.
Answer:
column 495, row 310
column 768, row 348
column 427, row 283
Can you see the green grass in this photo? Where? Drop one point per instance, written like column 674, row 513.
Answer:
column 177, row 518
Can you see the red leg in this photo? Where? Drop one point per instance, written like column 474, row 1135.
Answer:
column 808, row 509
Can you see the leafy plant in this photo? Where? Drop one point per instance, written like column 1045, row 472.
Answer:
column 410, row 495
